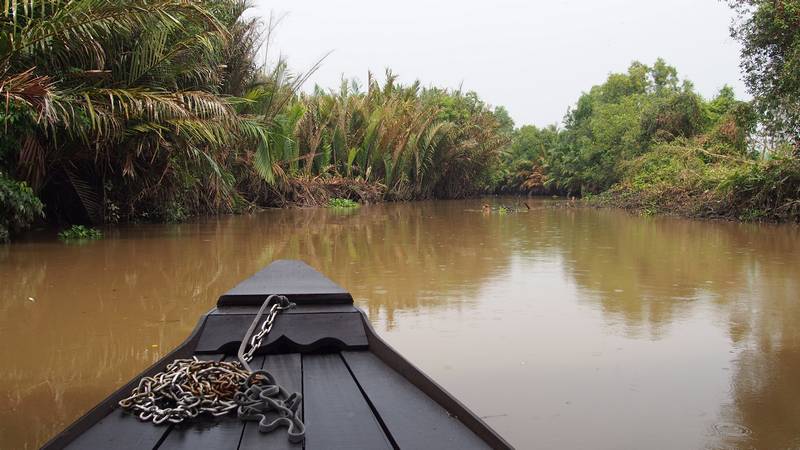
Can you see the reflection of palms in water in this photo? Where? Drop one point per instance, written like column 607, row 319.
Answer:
column 393, row 255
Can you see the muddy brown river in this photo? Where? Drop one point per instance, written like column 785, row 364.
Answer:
column 562, row 327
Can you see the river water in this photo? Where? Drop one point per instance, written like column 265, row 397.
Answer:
column 562, row 327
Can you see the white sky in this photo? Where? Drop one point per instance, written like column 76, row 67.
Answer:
column 533, row 57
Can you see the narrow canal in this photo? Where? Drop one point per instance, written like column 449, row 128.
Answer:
column 562, row 327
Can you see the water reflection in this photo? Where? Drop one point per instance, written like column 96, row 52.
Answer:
column 651, row 274
column 691, row 326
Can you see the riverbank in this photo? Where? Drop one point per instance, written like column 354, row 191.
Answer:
column 163, row 134
column 691, row 182
column 645, row 140
column 105, row 140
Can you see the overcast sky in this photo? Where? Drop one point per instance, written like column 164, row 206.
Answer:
column 534, row 57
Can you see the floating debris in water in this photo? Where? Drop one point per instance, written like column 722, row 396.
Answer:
column 504, row 209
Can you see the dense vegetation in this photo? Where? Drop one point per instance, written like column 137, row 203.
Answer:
column 769, row 31
column 128, row 109
column 118, row 110
column 646, row 140
column 410, row 142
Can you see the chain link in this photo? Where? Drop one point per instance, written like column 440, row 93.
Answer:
column 251, row 342
column 190, row 387
column 266, row 326
column 186, row 389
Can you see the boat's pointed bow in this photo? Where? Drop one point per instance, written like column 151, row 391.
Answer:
column 301, row 283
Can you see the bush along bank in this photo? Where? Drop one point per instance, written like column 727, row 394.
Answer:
column 688, row 180
column 19, row 207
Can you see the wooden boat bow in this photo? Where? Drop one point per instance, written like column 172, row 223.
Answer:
column 358, row 392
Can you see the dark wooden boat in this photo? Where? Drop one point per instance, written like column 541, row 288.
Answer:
column 358, row 393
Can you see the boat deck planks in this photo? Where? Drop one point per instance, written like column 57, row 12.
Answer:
column 287, row 370
column 119, row 431
column 411, row 417
column 354, row 399
column 337, row 416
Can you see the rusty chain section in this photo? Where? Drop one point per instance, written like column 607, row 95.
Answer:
column 188, row 388
column 191, row 387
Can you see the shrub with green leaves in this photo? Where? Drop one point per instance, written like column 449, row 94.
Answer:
column 19, row 207
column 342, row 203
column 80, row 233
column 684, row 178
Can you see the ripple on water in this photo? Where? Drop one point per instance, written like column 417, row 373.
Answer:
column 732, row 430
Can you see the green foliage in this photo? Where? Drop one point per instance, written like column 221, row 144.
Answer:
column 616, row 123
column 683, row 177
column 161, row 99
column 158, row 110
column 770, row 36
column 173, row 212
column 79, row 233
column 620, row 120
column 522, row 167
column 646, row 141
column 336, row 202
column 417, row 143
column 678, row 115
column 19, row 207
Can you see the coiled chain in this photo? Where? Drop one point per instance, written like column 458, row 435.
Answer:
column 190, row 387
column 186, row 389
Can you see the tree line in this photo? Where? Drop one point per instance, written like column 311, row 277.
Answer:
column 120, row 110
column 646, row 140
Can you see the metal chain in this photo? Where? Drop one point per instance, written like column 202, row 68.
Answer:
column 186, row 389
column 246, row 353
column 190, row 387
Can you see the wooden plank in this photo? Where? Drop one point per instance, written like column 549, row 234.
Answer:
column 296, row 333
column 395, row 361
column 336, row 414
column 294, row 279
column 120, row 430
column 413, row 419
column 299, row 309
column 209, row 432
column 288, row 373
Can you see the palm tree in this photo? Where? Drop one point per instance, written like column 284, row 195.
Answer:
column 152, row 94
